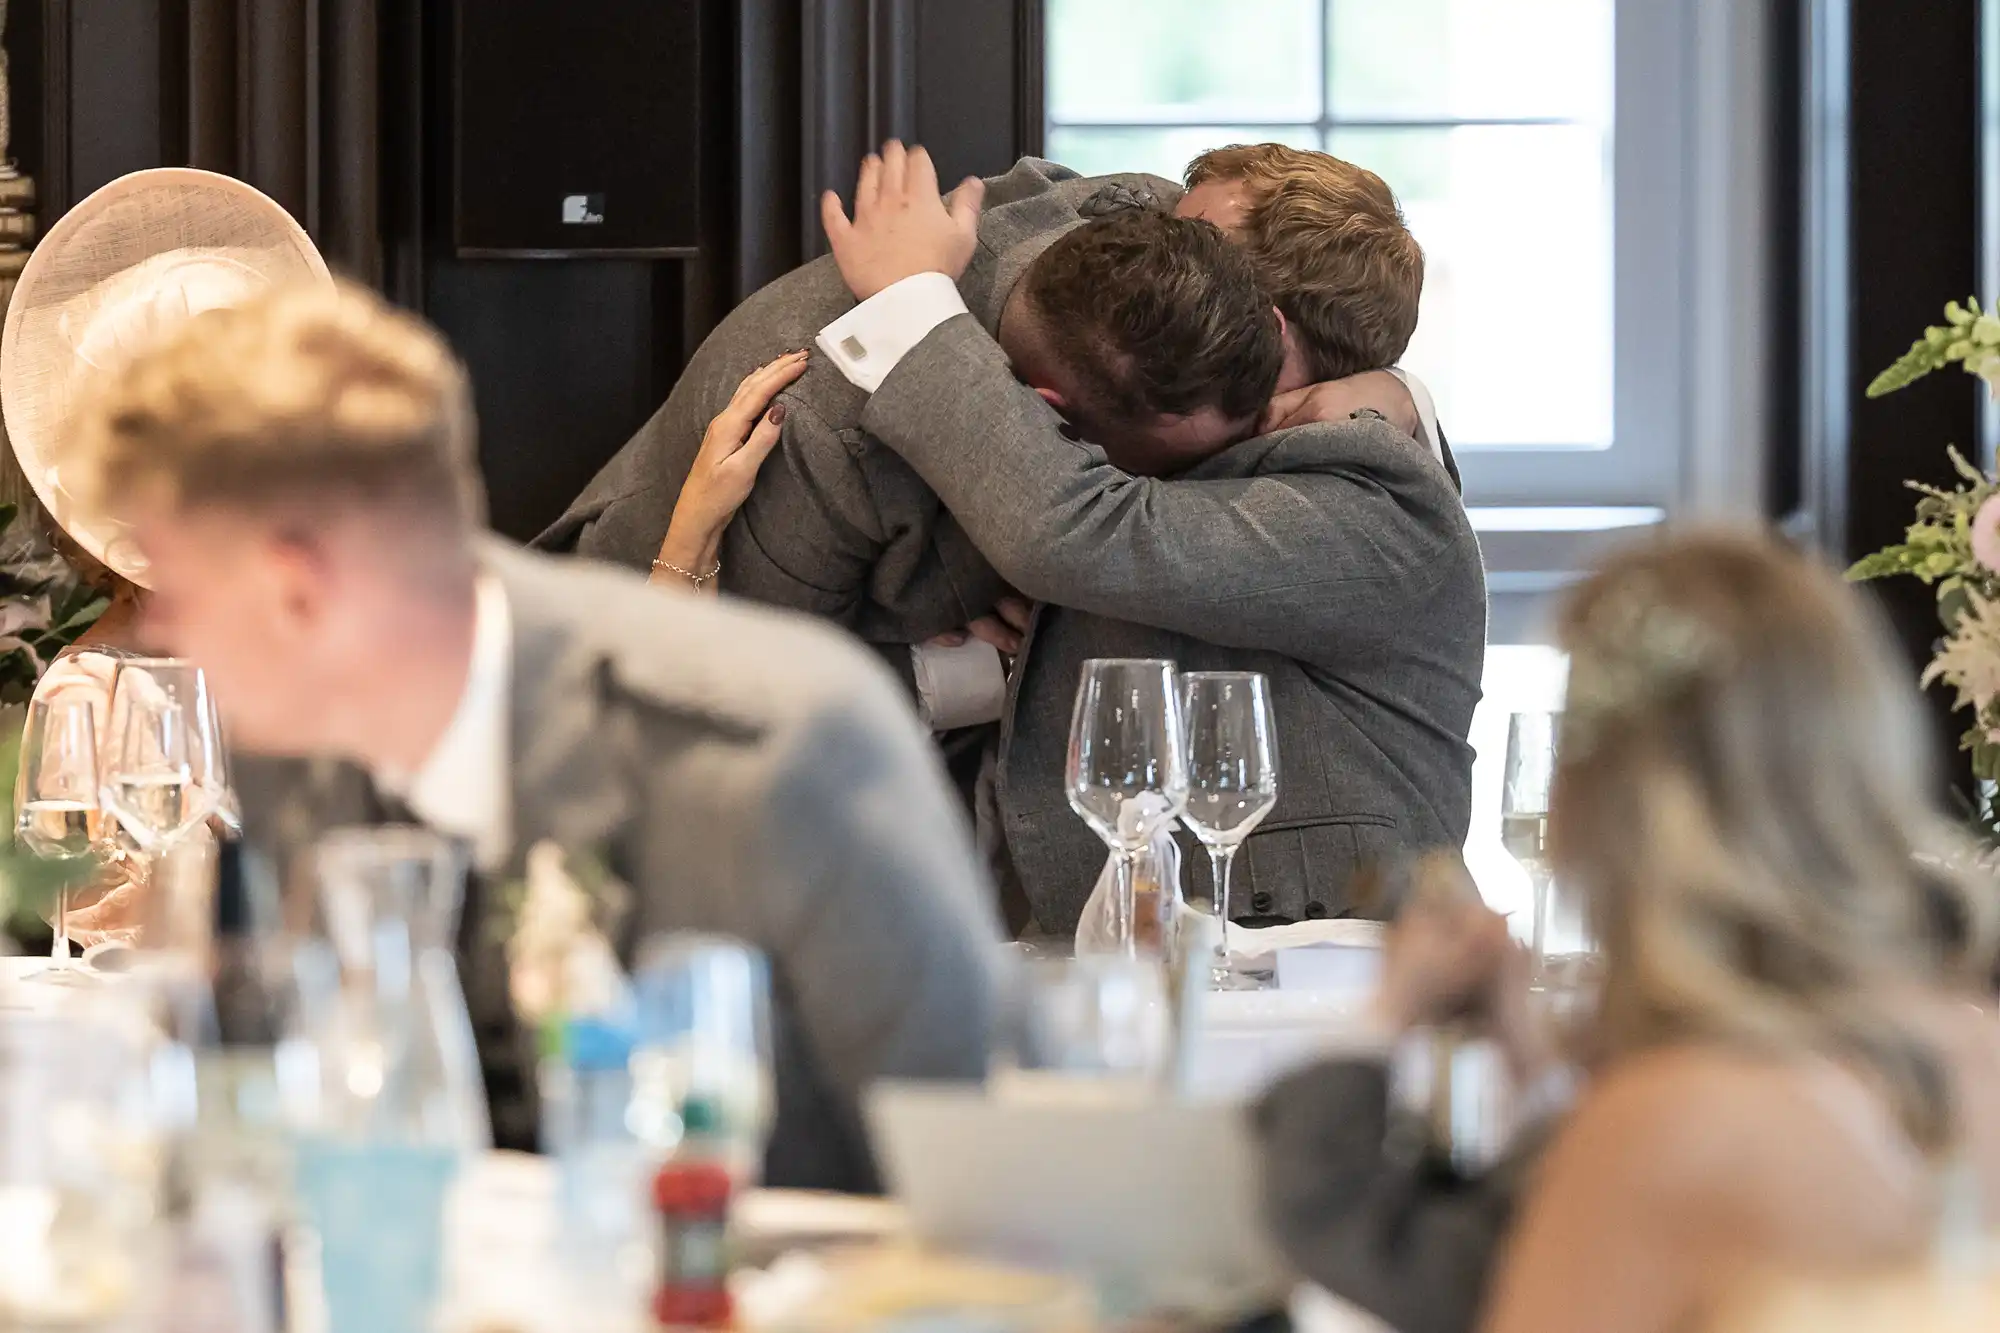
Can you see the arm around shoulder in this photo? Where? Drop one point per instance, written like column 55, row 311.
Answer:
column 1243, row 558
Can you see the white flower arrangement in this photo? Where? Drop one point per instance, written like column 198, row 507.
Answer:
column 560, row 960
column 1953, row 544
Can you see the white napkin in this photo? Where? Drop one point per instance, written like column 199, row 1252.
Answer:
column 1160, row 863
column 1257, row 942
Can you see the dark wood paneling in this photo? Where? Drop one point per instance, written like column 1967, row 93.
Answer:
column 113, row 102
column 273, row 101
column 966, row 97
column 1890, row 168
column 349, row 117
column 562, row 358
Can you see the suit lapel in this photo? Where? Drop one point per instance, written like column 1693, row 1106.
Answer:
column 569, row 759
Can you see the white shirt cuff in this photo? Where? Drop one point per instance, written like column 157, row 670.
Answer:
column 1427, row 413
column 868, row 341
column 959, row 687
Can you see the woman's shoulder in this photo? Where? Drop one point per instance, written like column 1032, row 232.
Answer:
column 1783, row 1150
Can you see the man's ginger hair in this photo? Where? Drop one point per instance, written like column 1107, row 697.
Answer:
column 1330, row 243
column 300, row 400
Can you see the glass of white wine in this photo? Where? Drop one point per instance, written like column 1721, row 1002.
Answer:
column 178, row 681
column 1558, row 935
column 148, row 779
column 1232, row 761
column 59, row 814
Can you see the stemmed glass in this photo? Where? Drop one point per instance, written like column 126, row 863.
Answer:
column 1557, row 936
column 164, row 771
column 1127, row 770
column 59, row 811
column 1232, row 760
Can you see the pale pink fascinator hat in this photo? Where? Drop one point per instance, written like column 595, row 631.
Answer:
column 116, row 274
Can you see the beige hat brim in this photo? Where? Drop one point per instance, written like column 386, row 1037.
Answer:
column 116, row 273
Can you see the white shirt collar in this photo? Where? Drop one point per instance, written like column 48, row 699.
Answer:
column 462, row 790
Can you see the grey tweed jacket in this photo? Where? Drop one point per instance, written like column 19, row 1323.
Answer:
column 1335, row 558
column 746, row 773
column 837, row 525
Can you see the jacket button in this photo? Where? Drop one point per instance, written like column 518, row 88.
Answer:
column 1260, row 902
column 1314, row 911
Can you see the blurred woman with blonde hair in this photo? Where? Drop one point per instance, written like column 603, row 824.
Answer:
column 1795, row 1070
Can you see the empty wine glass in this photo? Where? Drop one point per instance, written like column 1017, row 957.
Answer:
column 1127, row 770
column 704, row 1036
column 59, row 811
column 1103, row 1018
column 1232, row 763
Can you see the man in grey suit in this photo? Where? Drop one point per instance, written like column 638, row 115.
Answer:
column 299, row 471
column 841, row 527
column 1335, row 557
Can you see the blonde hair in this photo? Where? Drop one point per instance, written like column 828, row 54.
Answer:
column 301, row 398
column 1330, row 243
column 1739, row 796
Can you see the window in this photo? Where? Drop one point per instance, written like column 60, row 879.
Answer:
column 1539, row 149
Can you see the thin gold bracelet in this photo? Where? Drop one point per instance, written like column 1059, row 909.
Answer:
column 699, row 581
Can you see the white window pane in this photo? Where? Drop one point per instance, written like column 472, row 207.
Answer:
column 1514, row 338
column 1183, row 60
column 1470, row 59
column 1164, row 152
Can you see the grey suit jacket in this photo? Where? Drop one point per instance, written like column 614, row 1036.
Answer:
column 1363, row 1203
column 747, row 773
column 837, row 525
column 1335, row 558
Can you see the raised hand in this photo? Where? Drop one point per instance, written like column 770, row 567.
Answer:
column 901, row 226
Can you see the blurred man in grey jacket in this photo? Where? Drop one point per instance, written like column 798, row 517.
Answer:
column 299, row 471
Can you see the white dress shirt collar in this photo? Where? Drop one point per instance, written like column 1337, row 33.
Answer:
column 462, row 789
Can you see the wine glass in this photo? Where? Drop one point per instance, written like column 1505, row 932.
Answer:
column 1232, row 763
column 1557, row 935
column 1104, row 1018
column 1127, row 770
column 59, row 811
column 148, row 779
column 182, row 682
column 703, row 1045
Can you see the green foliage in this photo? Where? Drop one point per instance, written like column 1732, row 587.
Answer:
column 44, row 607
column 1937, row 549
column 1969, row 337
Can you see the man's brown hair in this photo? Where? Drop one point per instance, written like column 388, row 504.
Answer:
column 1155, row 315
column 1330, row 243
column 298, row 398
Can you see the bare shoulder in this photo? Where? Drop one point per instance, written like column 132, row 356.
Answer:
column 1676, row 1114
column 1798, row 1155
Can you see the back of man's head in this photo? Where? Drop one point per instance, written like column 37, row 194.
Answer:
column 302, row 401
column 1330, row 243
column 1142, row 324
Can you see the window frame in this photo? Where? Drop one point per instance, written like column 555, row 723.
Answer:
column 1647, row 461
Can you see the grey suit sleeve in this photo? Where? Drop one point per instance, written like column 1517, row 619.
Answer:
column 1373, row 1220
column 894, row 944
column 1312, row 564
column 808, row 536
